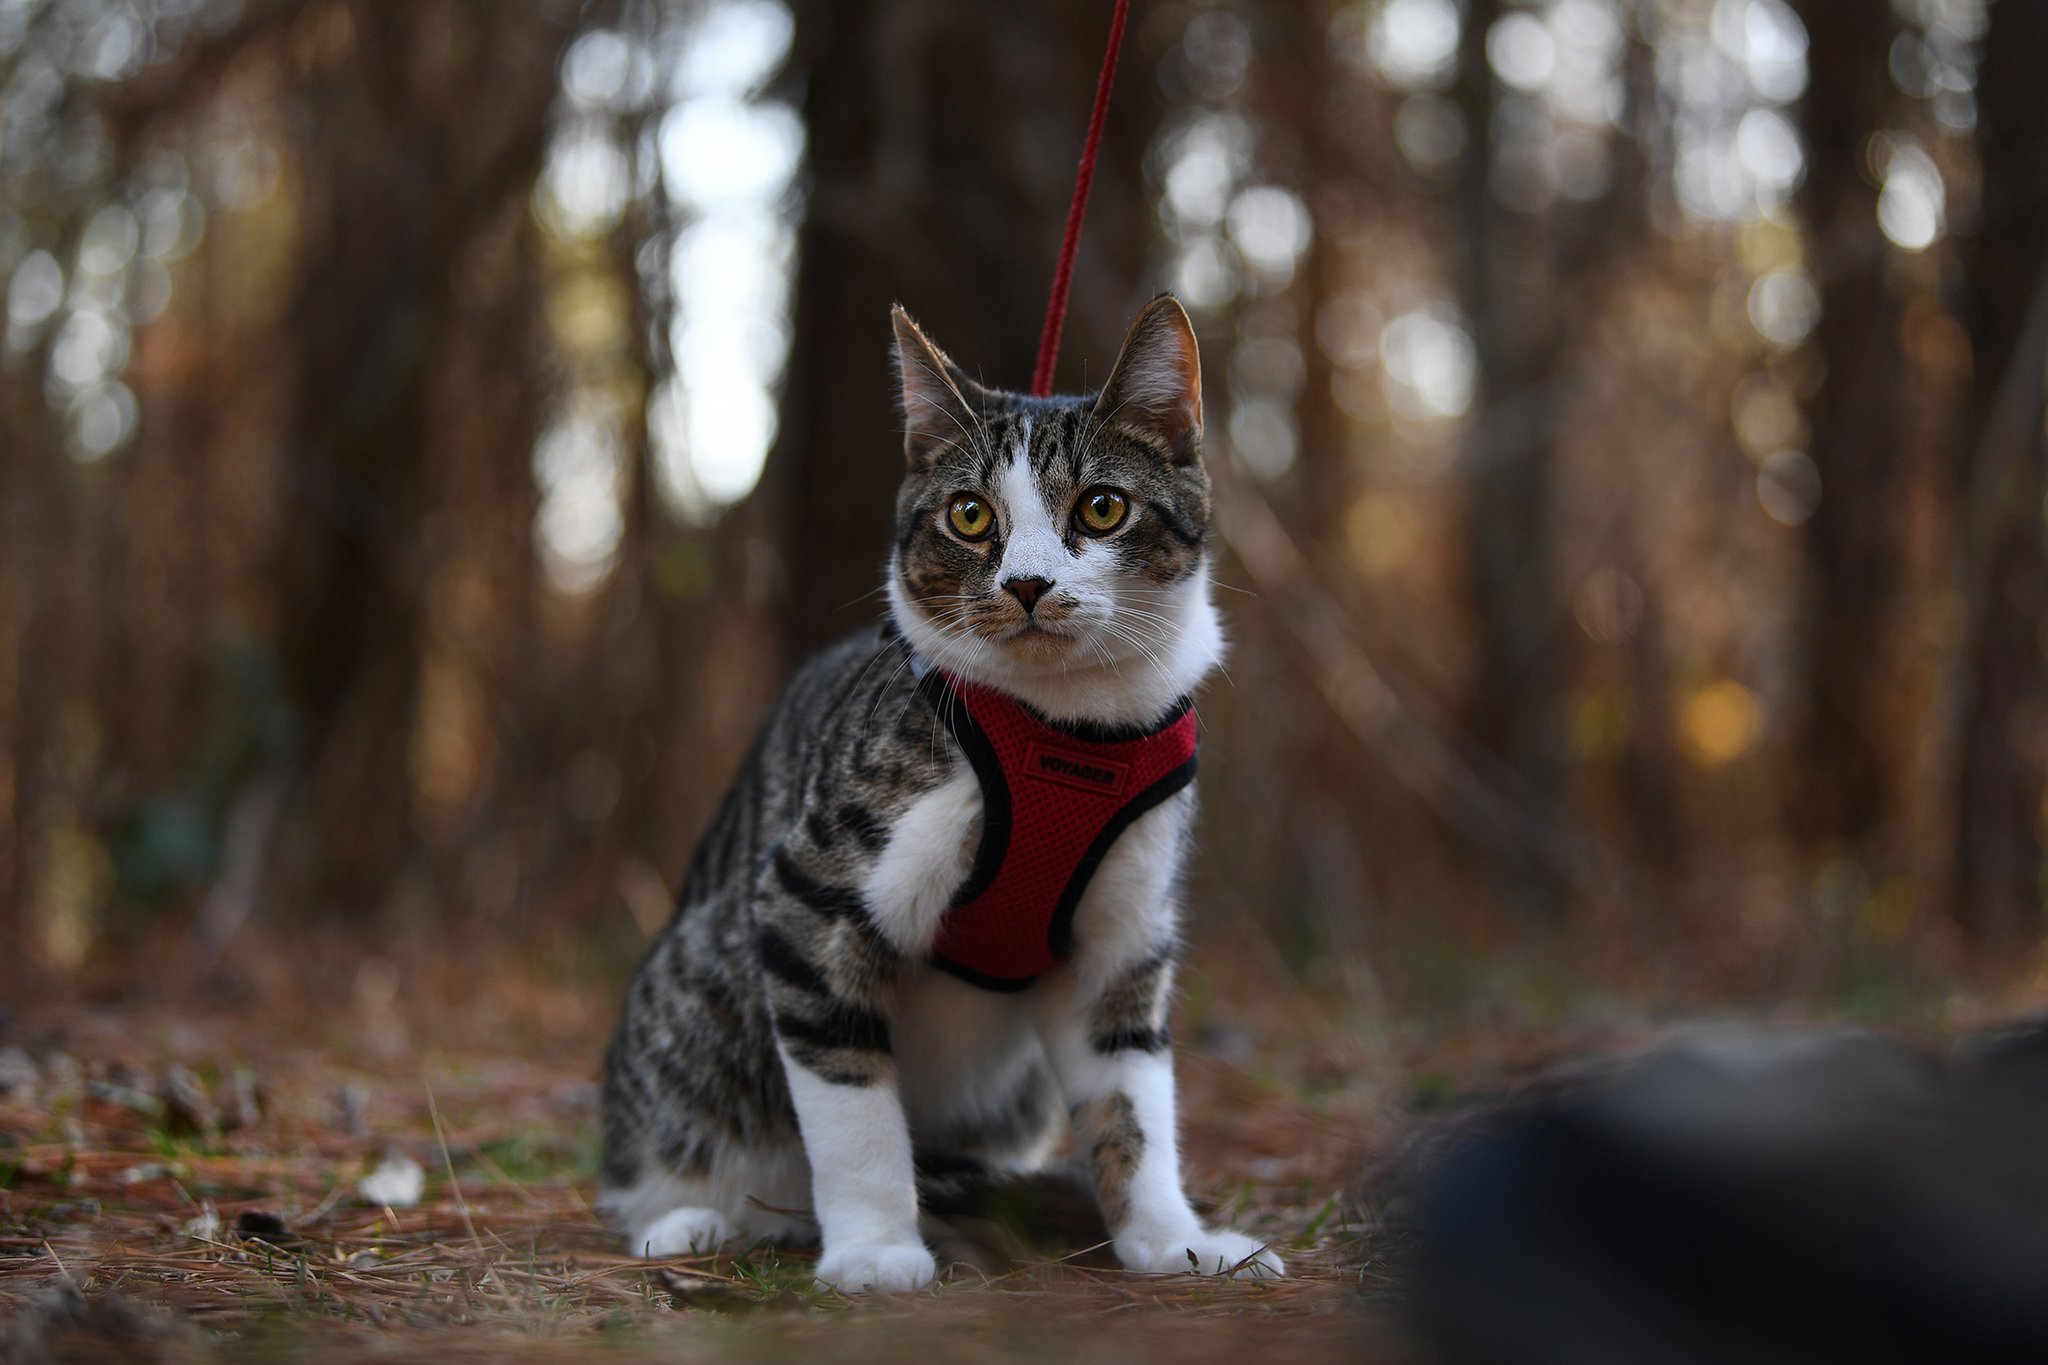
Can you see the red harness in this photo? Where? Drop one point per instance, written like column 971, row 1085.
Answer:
column 1054, row 798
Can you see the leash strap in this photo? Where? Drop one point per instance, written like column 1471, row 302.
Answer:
column 1063, row 276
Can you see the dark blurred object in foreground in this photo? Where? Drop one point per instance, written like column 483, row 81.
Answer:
column 1832, row 1198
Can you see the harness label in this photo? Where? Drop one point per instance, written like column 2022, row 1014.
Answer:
column 1083, row 772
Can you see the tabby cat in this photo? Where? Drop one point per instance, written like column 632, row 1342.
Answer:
column 796, row 1051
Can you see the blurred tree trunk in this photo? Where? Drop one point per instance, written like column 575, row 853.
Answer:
column 399, row 168
column 1530, row 284
column 1650, row 785
column 1506, row 291
column 37, row 646
column 934, row 180
column 2004, row 722
column 1300, row 835
column 1850, row 770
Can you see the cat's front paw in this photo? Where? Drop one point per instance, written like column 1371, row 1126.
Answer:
column 1199, row 1251
column 683, row 1232
column 877, row 1267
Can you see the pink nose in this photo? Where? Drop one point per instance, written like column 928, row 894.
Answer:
column 1026, row 590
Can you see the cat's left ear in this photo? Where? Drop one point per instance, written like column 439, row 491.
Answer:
column 1155, row 387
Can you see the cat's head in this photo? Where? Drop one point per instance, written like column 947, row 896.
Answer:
column 1057, row 548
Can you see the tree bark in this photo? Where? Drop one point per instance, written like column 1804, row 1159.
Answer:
column 2003, row 760
column 1506, row 292
column 1849, row 776
column 398, row 174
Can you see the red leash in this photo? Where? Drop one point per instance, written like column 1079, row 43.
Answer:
column 1063, row 277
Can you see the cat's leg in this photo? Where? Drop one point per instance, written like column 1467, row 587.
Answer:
column 829, row 975
column 698, row 1152
column 863, row 1181
column 741, row 1198
column 662, row 1214
column 1114, row 1061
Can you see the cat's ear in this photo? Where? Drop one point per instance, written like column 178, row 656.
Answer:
column 1155, row 387
column 941, row 405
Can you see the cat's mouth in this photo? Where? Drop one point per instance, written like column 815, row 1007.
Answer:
column 1037, row 635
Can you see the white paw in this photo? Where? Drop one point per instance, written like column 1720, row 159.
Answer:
column 884, row 1267
column 684, row 1232
column 1201, row 1252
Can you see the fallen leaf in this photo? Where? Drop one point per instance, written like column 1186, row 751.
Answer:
column 397, row 1183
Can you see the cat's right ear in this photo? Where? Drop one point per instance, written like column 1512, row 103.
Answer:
column 941, row 405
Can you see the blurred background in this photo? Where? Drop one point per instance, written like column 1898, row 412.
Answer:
column 430, row 431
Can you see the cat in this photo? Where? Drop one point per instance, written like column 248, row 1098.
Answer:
column 796, row 1052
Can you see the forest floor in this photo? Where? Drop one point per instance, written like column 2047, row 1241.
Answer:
column 182, row 1176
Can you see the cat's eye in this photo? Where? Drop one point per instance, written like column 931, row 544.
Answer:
column 1102, row 510
column 971, row 517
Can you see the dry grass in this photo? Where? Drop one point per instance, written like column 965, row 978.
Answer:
column 179, row 1171
column 182, row 1181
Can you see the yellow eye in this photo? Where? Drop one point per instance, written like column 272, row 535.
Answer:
column 972, row 518
column 1102, row 510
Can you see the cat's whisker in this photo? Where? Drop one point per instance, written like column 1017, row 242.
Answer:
column 883, row 692
column 881, row 652
column 1142, row 646
column 875, row 591
column 1108, row 659
column 1139, row 643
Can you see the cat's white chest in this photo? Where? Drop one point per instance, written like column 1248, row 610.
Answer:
column 929, row 854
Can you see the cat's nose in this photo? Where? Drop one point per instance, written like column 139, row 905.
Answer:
column 1027, row 590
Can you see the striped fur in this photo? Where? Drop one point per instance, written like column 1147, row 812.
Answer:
column 787, row 1064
